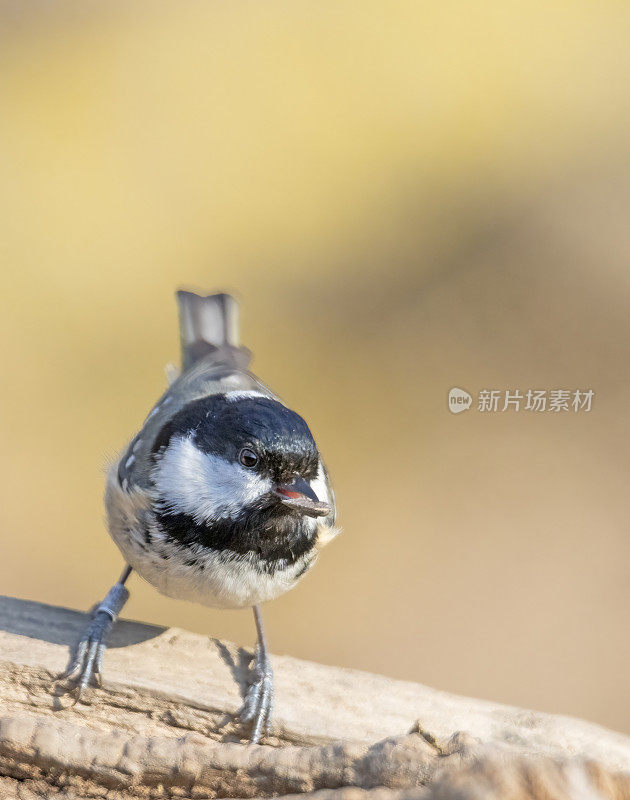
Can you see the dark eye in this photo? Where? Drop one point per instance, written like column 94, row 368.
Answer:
column 248, row 457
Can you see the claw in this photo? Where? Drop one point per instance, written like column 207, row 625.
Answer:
column 98, row 664
column 74, row 670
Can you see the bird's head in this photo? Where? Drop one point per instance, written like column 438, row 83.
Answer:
column 239, row 457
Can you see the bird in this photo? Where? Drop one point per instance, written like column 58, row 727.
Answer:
column 222, row 497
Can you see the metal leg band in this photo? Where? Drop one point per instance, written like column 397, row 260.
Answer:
column 114, row 601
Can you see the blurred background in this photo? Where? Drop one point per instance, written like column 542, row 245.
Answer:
column 406, row 197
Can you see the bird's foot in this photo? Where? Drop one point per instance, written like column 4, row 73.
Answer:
column 87, row 665
column 258, row 705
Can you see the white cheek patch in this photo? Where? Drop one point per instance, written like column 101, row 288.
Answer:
column 318, row 485
column 205, row 486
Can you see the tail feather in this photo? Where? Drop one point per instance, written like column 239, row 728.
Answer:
column 209, row 325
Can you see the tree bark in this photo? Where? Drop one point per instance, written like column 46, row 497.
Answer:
column 165, row 725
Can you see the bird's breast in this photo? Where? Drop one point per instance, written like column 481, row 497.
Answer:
column 186, row 561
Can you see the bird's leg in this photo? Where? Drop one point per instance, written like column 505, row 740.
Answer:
column 88, row 661
column 258, row 705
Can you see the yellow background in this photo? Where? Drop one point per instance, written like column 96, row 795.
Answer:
column 406, row 197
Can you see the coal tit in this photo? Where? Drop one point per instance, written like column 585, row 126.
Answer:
column 222, row 497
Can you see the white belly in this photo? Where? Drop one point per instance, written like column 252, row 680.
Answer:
column 215, row 578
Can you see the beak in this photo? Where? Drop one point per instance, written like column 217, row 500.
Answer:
column 299, row 496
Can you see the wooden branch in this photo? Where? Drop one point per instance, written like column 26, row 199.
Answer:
column 164, row 725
